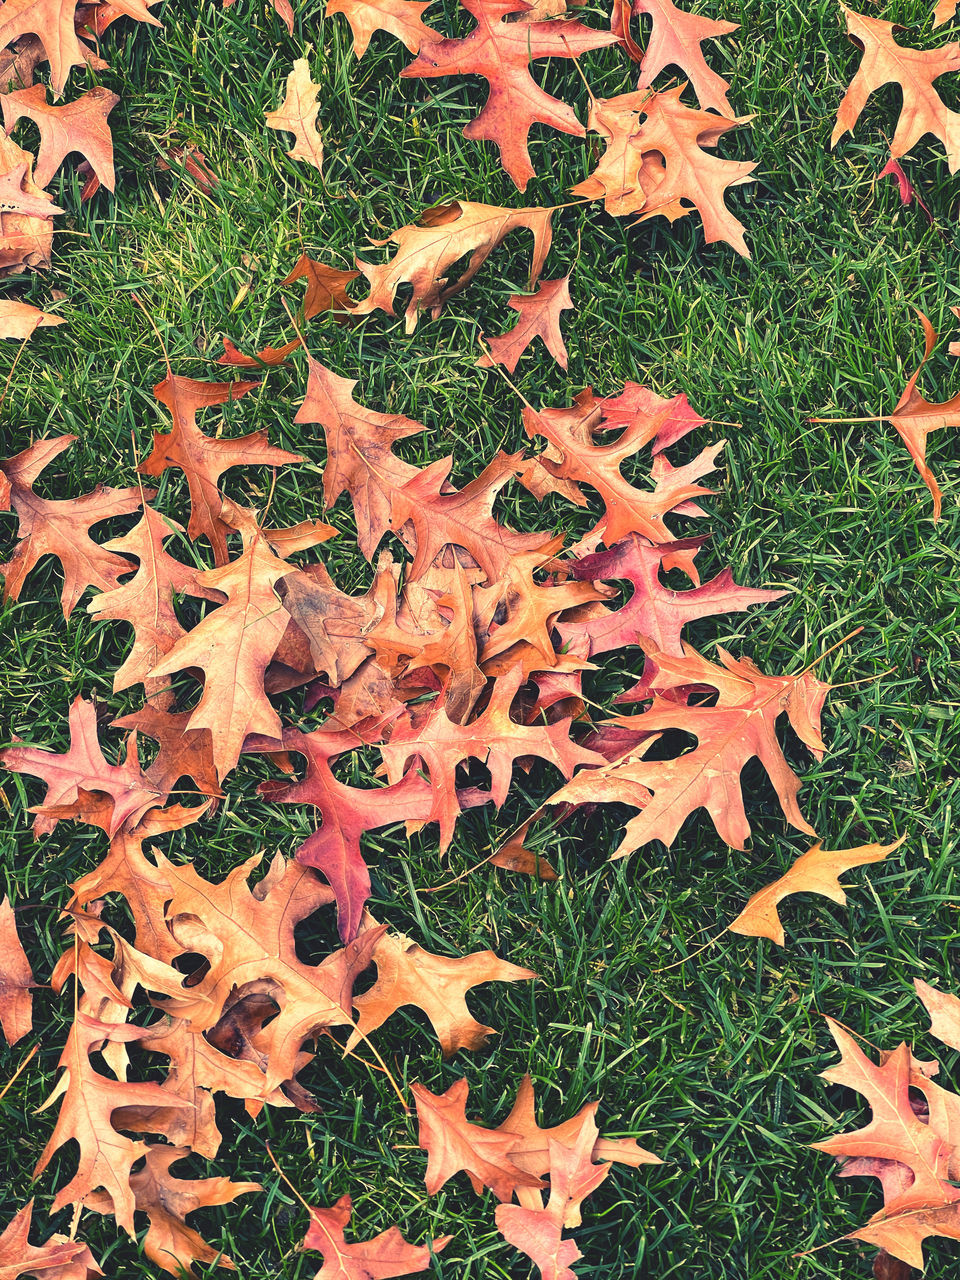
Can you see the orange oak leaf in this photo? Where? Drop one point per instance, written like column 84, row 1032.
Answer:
column 326, row 286
column 924, row 1201
column 89, row 1098
column 492, row 738
column 167, row 1200
column 914, row 70
column 531, row 1150
column 537, row 1230
column 18, row 62
column 442, row 517
column 401, row 18
column 908, row 192
column 74, row 776
column 501, row 52
column 297, row 114
column 915, row 417
column 26, row 226
column 407, row 975
column 944, row 1011
column 16, row 979
column 445, row 234
column 816, row 871
column 539, row 318
column 76, row 126
column 380, row 1258
column 661, row 165
column 453, row 1145
column 233, row 646
column 573, row 456
column 360, row 457
column 60, row 526
column 943, row 11
column 127, row 870
column 20, row 319
column 740, row 726
column 203, row 459
column 527, row 610
column 58, row 1258
column 184, row 752
column 146, row 600
column 675, row 42
column 248, row 939
column 53, row 22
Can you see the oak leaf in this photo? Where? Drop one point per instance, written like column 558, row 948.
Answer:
column 58, row 1258
column 76, row 126
column 16, row 979
column 943, row 11
column 167, row 1200
column 740, row 726
column 89, row 1098
column 661, row 164
column 675, row 42
column 203, row 459
column 914, row 70
column 346, row 813
column 60, row 526
column 401, row 18
column 326, row 286
column 923, row 1200
column 944, row 1011
column 816, row 871
column 573, row 456
column 297, row 114
column 653, row 613
column 445, row 234
column 26, row 226
column 233, row 646
column 380, row 1258
column 515, row 856
column 183, row 752
column 453, row 1145
column 77, row 777
column 537, row 1230
column 539, row 318
column 146, row 599
column 20, row 319
column 915, row 417
column 249, row 943
column 360, row 458
column 501, row 52
column 407, row 975
column 442, row 517
column 493, row 738
column 53, row 22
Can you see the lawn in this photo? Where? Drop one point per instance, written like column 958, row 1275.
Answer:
column 712, row 1061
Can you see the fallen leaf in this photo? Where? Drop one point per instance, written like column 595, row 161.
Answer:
column 77, row 126
column 401, row 18
column 914, row 70
column 501, row 52
column 59, row 1258
column 445, row 234
column 60, row 526
column 380, row 1258
column 539, row 318
column 297, row 114
column 20, row 319
column 816, row 871
column 16, row 980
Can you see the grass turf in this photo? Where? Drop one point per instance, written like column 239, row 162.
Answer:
column 711, row 1063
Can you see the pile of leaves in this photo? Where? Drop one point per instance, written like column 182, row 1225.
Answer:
column 465, row 659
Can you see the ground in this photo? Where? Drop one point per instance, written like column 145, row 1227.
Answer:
column 711, row 1063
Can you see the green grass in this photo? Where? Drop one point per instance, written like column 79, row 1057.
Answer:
column 713, row 1063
